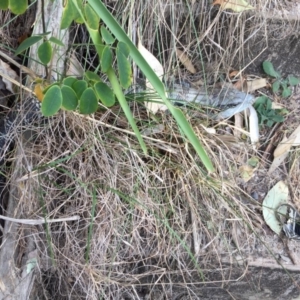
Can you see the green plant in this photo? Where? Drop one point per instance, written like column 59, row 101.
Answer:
column 266, row 114
column 73, row 94
column 280, row 84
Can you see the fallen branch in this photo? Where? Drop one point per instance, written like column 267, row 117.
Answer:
column 40, row 221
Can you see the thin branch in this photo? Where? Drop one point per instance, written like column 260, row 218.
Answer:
column 40, row 221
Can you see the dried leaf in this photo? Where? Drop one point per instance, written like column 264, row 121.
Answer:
column 156, row 66
column 285, row 146
column 277, row 196
column 184, row 59
column 235, row 5
column 246, row 172
column 6, row 70
column 256, row 84
column 282, row 150
column 209, row 130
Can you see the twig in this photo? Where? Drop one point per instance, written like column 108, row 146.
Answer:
column 40, row 221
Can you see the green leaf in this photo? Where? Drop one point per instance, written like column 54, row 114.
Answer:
column 286, row 92
column 106, row 59
column 78, row 17
column 28, row 43
column 262, row 100
column 124, row 48
column 52, row 101
column 91, row 17
column 268, row 104
column 69, row 14
column 107, row 36
column 284, row 83
column 3, row 4
column 18, row 7
column 124, row 69
column 269, row 69
column 70, row 100
column 43, row 33
column 88, row 102
column 105, row 94
column 91, row 76
column 293, row 80
column 276, row 86
column 278, row 118
column 181, row 120
column 270, row 123
column 69, row 81
column 45, row 52
column 56, row 41
column 79, row 86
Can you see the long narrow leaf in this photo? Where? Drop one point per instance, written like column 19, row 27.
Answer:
column 119, row 33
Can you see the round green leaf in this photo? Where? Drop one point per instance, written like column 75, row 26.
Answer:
column 105, row 94
column 52, row 101
column 69, row 81
column 88, row 102
column 91, row 76
column 269, row 69
column 92, row 19
column 124, row 69
column 69, row 98
column 79, row 86
column 124, row 48
column 4, row 4
column 106, row 59
column 28, row 43
column 45, row 52
column 18, row 7
column 106, row 35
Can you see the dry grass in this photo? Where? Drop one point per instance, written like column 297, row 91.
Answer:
column 153, row 225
